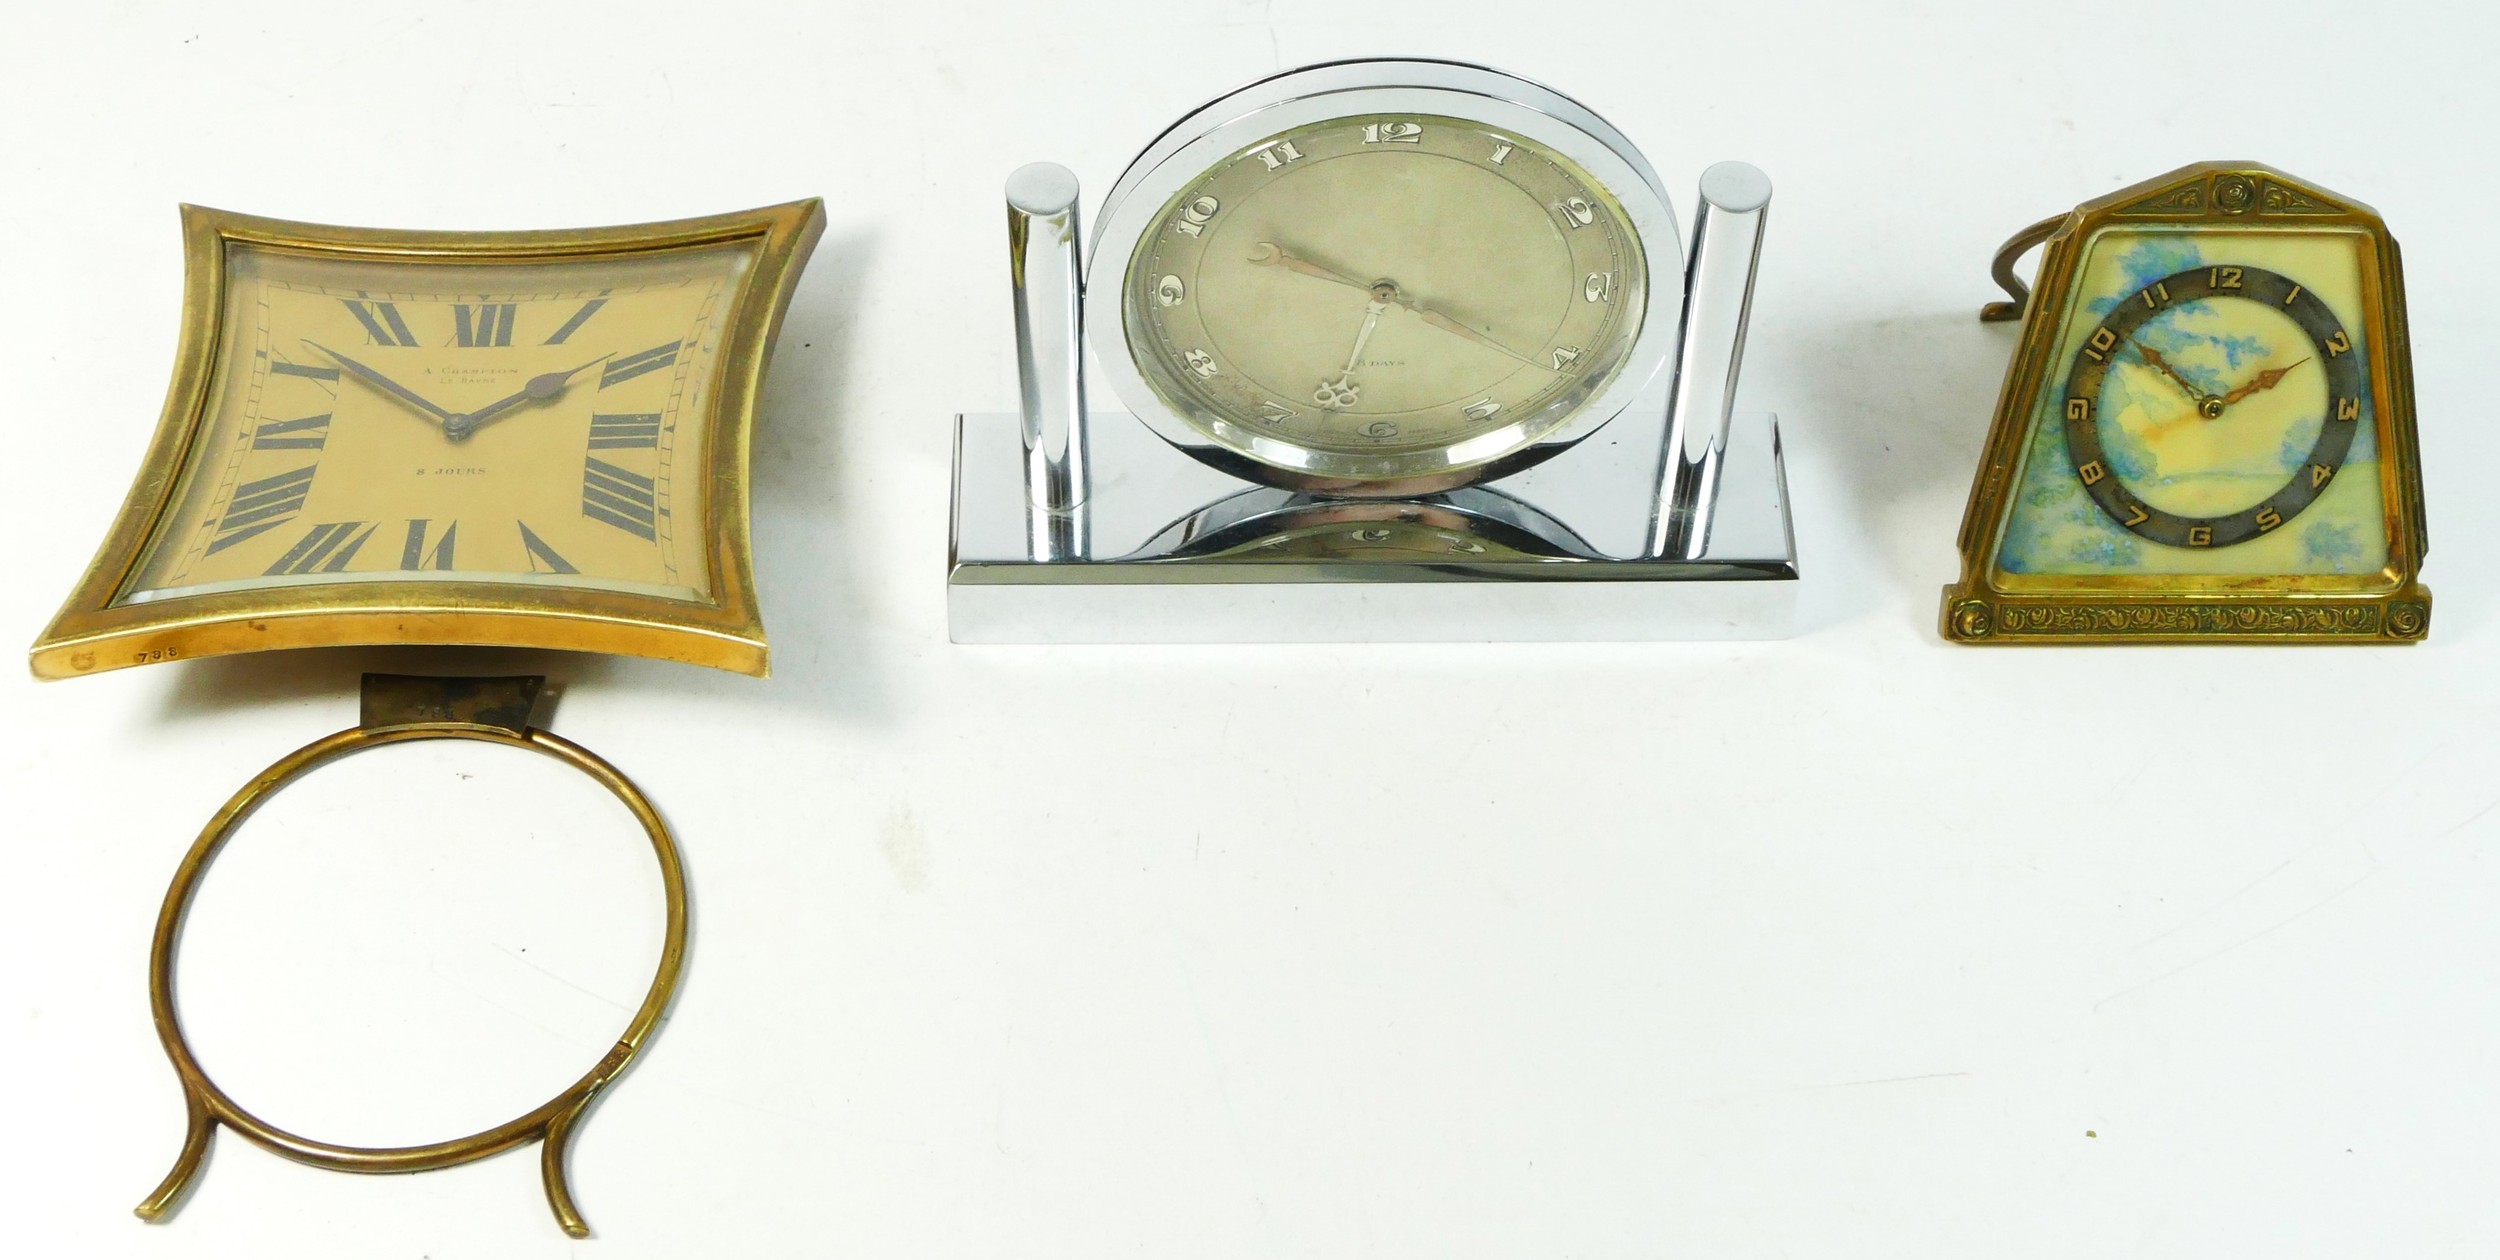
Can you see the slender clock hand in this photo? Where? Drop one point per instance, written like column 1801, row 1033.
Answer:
column 1270, row 254
column 1339, row 394
column 1447, row 324
column 2266, row 380
column 387, row 385
column 540, row 388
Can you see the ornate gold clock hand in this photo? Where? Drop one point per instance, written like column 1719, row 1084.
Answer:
column 386, row 384
column 2266, row 380
column 2162, row 365
column 540, row 388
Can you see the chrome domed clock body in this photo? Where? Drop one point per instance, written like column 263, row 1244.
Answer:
column 1441, row 364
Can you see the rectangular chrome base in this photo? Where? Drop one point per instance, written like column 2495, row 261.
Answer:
column 1169, row 550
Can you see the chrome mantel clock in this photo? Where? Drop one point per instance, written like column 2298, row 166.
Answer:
column 1413, row 351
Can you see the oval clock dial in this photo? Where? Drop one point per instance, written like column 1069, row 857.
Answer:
column 1386, row 286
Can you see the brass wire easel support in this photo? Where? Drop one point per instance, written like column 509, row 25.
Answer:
column 2002, row 270
column 400, row 709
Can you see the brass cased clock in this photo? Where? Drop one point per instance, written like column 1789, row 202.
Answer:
column 2207, row 432
column 533, row 439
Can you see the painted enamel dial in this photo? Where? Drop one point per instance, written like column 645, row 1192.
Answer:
column 1415, row 292
column 2298, row 399
column 2212, row 411
column 535, row 423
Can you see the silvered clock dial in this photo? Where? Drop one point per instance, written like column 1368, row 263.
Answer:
column 1385, row 290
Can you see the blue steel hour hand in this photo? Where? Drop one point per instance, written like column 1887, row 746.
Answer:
column 387, row 385
column 540, row 388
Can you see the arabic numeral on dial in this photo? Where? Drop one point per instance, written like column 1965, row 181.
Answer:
column 1202, row 363
column 1380, row 429
column 2223, row 277
column 1600, row 287
column 1196, row 215
column 1565, row 356
column 1274, row 413
column 2338, row 344
column 1169, row 291
column 1501, row 150
column 1481, row 409
column 1277, row 155
column 2103, row 341
column 1393, row 133
column 1576, row 212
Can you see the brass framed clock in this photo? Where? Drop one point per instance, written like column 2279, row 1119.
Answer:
column 532, row 439
column 2207, row 433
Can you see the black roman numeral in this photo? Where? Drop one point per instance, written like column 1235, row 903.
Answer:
column 326, row 549
column 382, row 322
column 627, row 500
column 486, row 325
column 304, row 370
column 413, row 554
column 633, row 365
column 541, row 553
column 261, row 506
column 626, row 431
column 307, row 434
column 580, row 317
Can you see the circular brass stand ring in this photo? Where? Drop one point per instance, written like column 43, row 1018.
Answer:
column 551, row 1123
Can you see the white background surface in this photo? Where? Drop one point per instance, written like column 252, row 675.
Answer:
column 1853, row 945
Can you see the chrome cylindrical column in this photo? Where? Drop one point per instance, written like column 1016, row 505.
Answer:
column 1046, row 271
column 1718, row 297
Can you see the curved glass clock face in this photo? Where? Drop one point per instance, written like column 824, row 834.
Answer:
column 1386, row 286
column 2212, row 412
column 531, row 422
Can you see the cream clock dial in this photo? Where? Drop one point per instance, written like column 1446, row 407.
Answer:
column 527, row 439
column 385, row 421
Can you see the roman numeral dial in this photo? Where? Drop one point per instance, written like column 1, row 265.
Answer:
column 630, row 366
column 530, row 423
column 483, row 324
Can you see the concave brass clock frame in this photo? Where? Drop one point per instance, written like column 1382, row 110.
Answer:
column 1653, row 513
column 2168, row 608
column 724, row 629
column 399, row 710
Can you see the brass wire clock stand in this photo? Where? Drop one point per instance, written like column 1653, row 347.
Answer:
column 400, row 709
